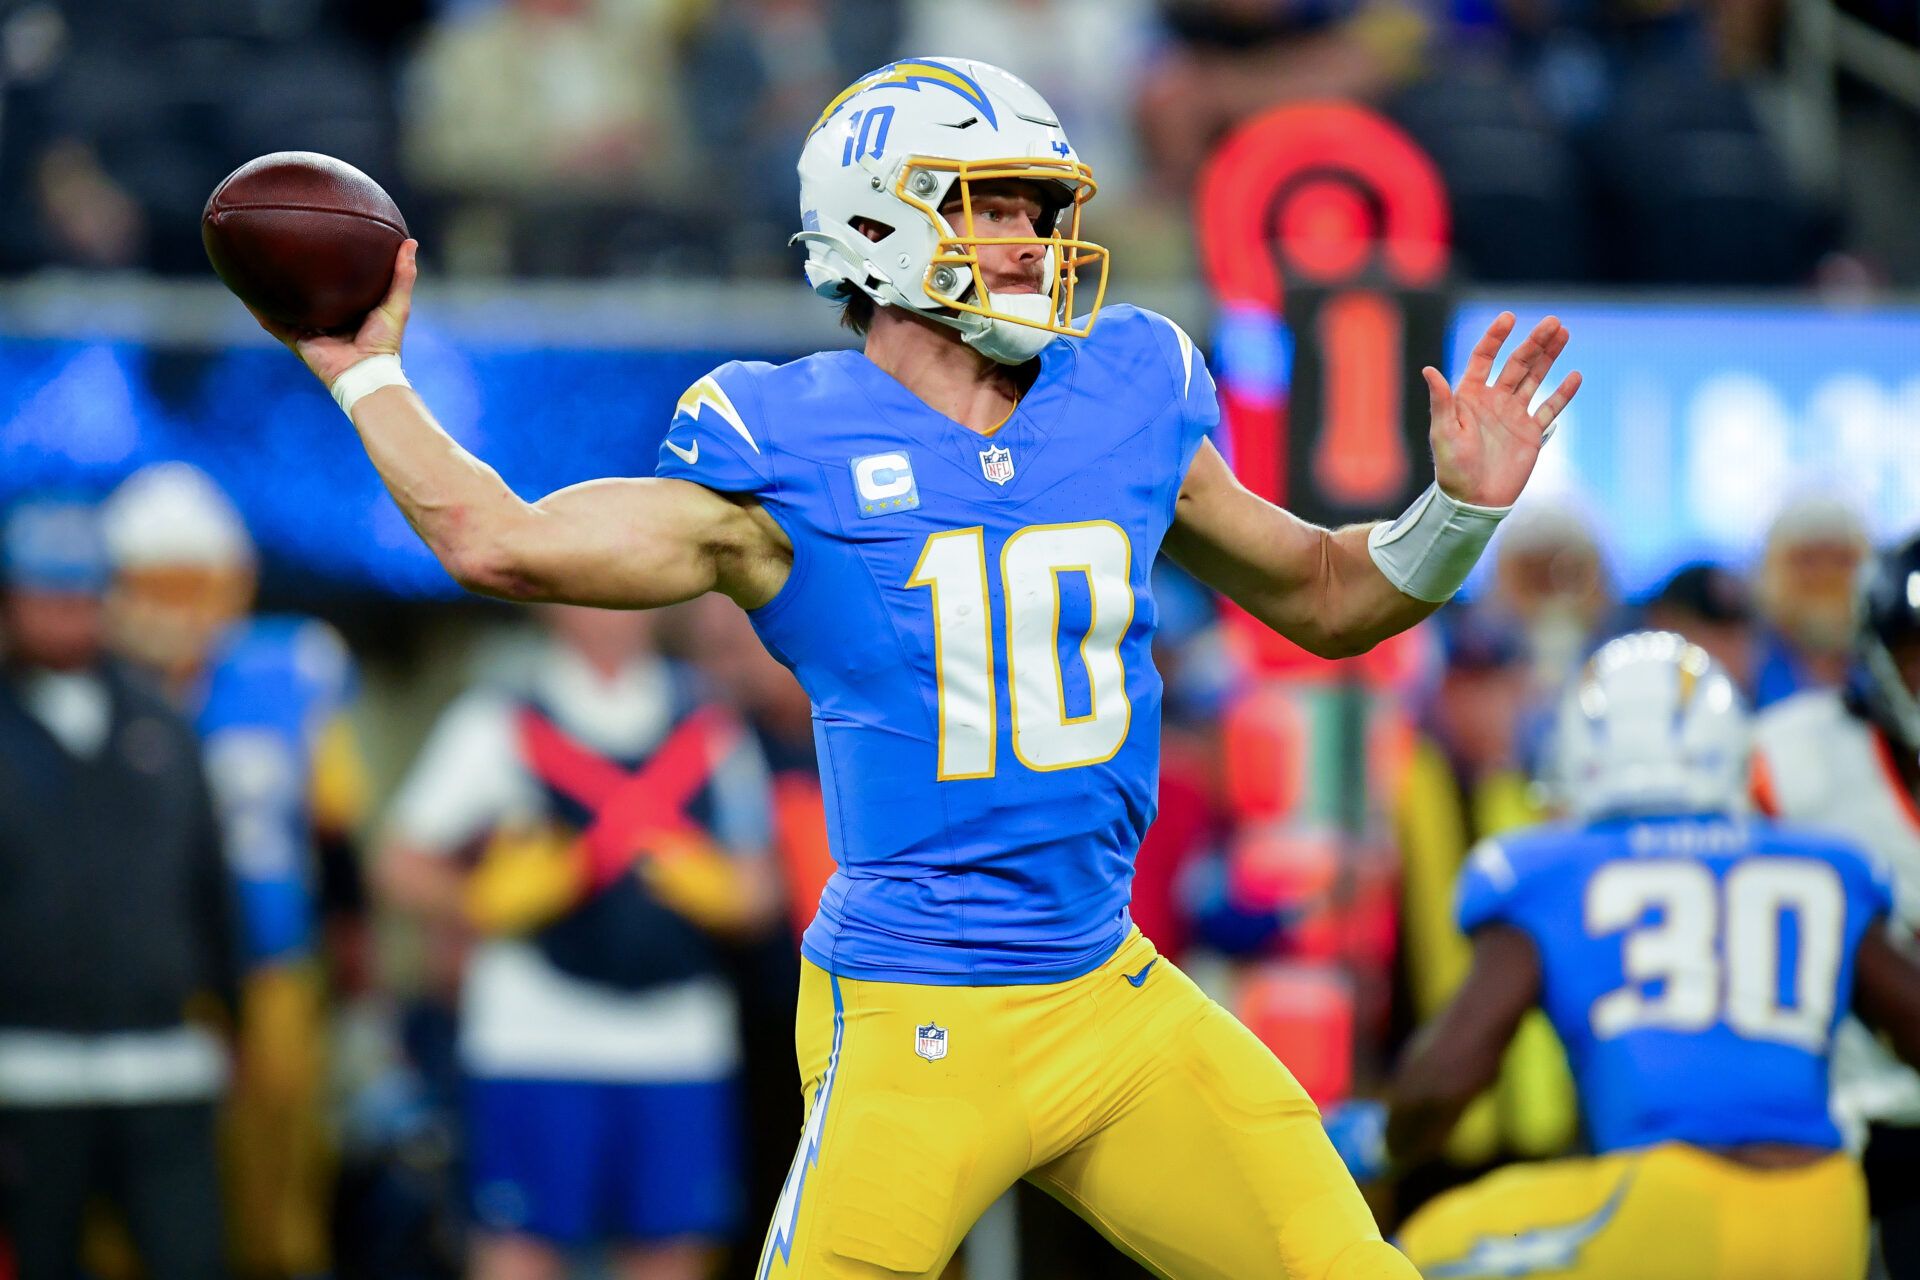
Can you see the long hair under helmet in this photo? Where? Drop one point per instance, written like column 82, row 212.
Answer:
column 900, row 144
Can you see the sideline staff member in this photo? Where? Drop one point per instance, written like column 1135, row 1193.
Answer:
column 114, row 914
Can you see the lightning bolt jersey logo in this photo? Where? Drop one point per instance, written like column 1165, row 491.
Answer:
column 708, row 394
column 912, row 75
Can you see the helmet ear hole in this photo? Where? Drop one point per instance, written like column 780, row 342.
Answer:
column 872, row 228
column 1054, row 204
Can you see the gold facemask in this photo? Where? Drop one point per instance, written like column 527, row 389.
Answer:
column 1069, row 253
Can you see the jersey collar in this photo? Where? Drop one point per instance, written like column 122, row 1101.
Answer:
column 1026, row 431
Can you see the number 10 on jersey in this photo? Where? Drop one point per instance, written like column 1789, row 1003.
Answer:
column 953, row 567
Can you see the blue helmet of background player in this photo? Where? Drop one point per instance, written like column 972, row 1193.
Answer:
column 53, row 573
column 1887, row 642
column 52, row 546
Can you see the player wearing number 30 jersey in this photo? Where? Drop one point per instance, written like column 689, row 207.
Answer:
column 947, row 536
column 1696, row 964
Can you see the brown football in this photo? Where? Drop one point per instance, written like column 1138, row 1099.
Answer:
column 303, row 239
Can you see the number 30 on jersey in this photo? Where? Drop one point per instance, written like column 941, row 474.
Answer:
column 953, row 566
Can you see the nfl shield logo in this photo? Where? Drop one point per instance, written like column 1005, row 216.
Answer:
column 930, row 1042
column 997, row 464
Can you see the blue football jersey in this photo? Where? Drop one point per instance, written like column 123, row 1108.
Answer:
column 271, row 687
column 971, row 617
column 1696, row 968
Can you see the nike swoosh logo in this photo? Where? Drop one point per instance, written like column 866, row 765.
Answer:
column 1138, row 978
column 688, row 456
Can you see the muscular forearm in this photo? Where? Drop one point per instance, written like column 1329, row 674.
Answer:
column 622, row 543
column 1350, row 606
column 617, row 543
column 459, row 505
column 1317, row 587
column 1320, row 588
column 1337, row 593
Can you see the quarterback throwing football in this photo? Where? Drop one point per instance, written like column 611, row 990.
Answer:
column 914, row 529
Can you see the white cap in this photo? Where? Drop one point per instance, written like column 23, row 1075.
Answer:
column 173, row 513
column 1547, row 526
column 1817, row 517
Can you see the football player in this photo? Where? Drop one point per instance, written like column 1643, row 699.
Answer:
column 1849, row 760
column 1696, row 963
column 947, row 536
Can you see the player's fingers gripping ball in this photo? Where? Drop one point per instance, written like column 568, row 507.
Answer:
column 525, row 878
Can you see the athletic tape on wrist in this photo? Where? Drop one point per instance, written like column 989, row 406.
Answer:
column 1429, row 551
column 365, row 377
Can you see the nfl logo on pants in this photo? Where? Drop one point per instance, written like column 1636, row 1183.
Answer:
column 930, row 1042
column 997, row 464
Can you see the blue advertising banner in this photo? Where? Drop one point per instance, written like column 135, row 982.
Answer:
column 1698, row 421
column 81, row 415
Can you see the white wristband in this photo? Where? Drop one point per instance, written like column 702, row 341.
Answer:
column 1429, row 551
column 364, row 378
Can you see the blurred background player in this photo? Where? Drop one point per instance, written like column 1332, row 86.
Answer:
column 1550, row 580
column 1710, row 605
column 1804, row 585
column 1697, row 964
column 116, row 921
column 1848, row 760
column 268, row 696
column 598, row 823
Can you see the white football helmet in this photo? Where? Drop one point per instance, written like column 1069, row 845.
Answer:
column 1652, row 724
column 902, row 142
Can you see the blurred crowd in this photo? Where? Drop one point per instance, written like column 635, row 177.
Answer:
column 528, row 1001
column 1582, row 140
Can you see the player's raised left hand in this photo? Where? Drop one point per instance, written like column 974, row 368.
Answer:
column 1485, row 439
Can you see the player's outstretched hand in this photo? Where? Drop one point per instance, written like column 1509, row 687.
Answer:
column 330, row 355
column 1485, row 438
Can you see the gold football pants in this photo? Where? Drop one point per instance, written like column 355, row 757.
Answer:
column 1126, row 1093
column 1671, row 1212
column 279, row 1164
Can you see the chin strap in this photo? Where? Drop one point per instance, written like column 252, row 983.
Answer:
column 1005, row 341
